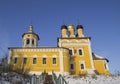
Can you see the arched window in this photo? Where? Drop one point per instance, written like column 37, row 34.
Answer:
column 32, row 41
column 34, row 60
column 28, row 41
column 54, row 60
column 44, row 60
column 15, row 60
column 68, row 33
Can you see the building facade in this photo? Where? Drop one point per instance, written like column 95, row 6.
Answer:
column 73, row 54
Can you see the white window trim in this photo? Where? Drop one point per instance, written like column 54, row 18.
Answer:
column 25, row 56
column 14, row 60
column 27, row 40
column 34, row 56
column 46, row 60
column 16, row 56
column 54, row 56
column 73, row 67
column 44, row 56
column 82, row 62
column 32, row 42
column 23, row 59
column 82, row 51
column 52, row 60
column 72, row 51
column 72, row 62
column 106, row 64
column 36, row 60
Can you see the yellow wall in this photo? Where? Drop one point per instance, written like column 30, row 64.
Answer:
column 99, row 66
column 86, row 57
column 63, row 58
column 66, row 62
column 39, row 67
column 64, row 32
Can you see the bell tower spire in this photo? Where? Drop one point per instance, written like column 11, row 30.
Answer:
column 30, row 39
column 31, row 28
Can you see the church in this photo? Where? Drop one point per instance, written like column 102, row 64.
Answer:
column 72, row 55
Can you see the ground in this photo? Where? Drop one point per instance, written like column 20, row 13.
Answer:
column 15, row 78
column 93, row 79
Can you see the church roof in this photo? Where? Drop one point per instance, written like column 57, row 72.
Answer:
column 37, row 48
column 98, row 57
column 63, row 27
column 31, row 32
column 74, row 38
column 79, row 27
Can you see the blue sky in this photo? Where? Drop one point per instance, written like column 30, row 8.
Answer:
column 100, row 18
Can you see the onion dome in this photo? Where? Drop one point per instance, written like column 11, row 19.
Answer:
column 79, row 27
column 70, row 26
column 63, row 27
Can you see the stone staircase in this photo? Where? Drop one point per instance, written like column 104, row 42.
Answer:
column 48, row 79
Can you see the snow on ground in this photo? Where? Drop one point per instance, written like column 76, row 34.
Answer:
column 14, row 78
column 93, row 79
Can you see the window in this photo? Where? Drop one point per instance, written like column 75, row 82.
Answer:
column 34, row 61
column 71, row 52
column 105, row 66
column 24, row 60
column 54, row 60
column 68, row 33
column 32, row 41
column 15, row 60
column 82, row 66
column 28, row 41
column 80, row 51
column 71, row 66
column 44, row 60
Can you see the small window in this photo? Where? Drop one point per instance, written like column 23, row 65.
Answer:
column 28, row 41
column 80, row 52
column 44, row 60
column 105, row 65
column 71, row 66
column 32, row 41
column 68, row 33
column 15, row 60
column 70, row 52
column 82, row 66
column 24, row 60
column 34, row 61
column 54, row 60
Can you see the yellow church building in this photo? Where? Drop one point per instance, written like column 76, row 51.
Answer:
column 72, row 55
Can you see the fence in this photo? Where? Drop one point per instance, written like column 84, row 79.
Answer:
column 37, row 79
column 59, row 80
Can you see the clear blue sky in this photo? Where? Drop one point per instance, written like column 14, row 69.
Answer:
column 100, row 18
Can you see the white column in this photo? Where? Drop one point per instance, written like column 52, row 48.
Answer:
column 91, row 71
column 61, row 62
column 24, row 42
column 91, row 58
column 9, row 56
column 35, row 42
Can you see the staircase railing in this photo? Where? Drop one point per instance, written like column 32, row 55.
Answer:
column 37, row 79
column 59, row 80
